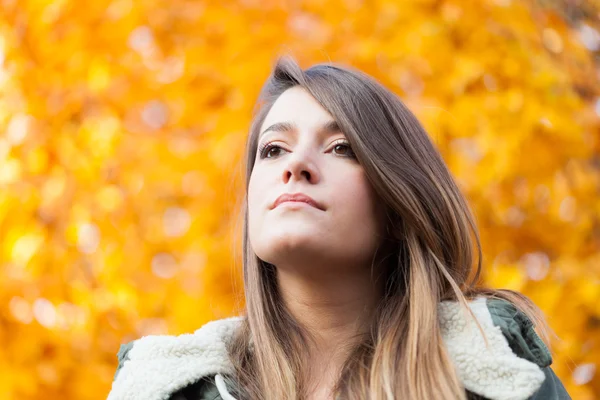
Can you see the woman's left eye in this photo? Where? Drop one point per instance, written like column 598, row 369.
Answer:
column 344, row 145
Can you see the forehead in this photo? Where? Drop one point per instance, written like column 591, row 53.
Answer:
column 298, row 106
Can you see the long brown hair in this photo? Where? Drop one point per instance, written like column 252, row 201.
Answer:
column 431, row 253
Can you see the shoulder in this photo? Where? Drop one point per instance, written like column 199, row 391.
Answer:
column 159, row 366
column 505, row 359
column 519, row 331
column 502, row 321
column 523, row 340
column 511, row 362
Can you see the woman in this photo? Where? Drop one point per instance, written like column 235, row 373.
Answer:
column 359, row 268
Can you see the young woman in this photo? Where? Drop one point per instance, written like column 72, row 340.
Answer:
column 361, row 264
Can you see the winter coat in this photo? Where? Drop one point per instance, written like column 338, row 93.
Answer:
column 195, row 366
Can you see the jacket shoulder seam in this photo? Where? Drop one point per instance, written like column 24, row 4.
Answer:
column 519, row 331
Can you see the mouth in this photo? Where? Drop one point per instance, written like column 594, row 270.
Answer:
column 294, row 204
column 298, row 199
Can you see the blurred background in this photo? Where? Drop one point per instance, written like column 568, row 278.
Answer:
column 123, row 123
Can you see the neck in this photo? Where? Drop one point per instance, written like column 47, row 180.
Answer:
column 333, row 309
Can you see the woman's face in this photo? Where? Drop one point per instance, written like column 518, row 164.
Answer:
column 301, row 151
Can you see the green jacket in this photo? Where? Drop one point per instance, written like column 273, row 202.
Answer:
column 515, row 366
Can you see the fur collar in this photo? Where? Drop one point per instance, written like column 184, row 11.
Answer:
column 159, row 365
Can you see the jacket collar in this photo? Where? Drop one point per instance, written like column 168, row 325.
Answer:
column 159, row 365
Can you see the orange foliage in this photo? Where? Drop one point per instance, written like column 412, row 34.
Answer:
column 123, row 128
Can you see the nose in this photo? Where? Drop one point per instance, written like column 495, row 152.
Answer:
column 300, row 167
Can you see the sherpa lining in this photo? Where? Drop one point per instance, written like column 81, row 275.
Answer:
column 156, row 366
column 494, row 371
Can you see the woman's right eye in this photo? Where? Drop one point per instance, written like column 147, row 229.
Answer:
column 265, row 150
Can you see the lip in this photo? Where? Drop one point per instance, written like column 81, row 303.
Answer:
column 298, row 197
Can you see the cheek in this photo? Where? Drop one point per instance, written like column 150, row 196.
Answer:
column 256, row 197
column 252, row 200
column 366, row 204
column 254, row 185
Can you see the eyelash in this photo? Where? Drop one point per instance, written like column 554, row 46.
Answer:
column 264, row 148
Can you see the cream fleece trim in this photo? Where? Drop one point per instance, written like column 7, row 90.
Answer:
column 494, row 372
column 159, row 365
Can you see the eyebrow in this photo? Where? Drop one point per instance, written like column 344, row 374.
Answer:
column 329, row 127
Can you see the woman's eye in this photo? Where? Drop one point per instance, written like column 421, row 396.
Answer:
column 346, row 150
column 270, row 151
column 266, row 151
